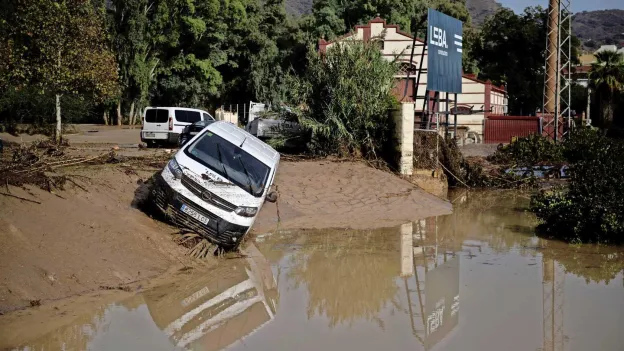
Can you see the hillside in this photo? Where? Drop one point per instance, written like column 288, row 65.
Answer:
column 595, row 28
column 480, row 9
column 298, row 7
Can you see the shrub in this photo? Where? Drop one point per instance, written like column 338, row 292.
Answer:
column 591, row 208
column 345, row 99
column 532, row 150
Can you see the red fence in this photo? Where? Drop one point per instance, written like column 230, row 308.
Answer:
column 501, row 129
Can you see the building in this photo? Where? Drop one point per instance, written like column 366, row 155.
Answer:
column 476, row 94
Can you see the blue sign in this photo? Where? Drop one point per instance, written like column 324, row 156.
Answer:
column 444, row 53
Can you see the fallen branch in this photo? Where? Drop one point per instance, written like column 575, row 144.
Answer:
column 21, row 198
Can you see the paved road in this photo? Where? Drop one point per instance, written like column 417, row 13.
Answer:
column 123, row 136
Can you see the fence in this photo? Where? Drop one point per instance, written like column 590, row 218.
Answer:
column 244, row 112
column 501, row 129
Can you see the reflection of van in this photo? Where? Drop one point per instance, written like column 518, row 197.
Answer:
column 210, row 311
column 217, row 182
column 164, row 124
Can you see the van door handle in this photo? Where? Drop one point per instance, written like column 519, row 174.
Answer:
column 158, row 125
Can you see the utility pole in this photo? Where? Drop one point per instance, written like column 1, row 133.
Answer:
column 558, row 68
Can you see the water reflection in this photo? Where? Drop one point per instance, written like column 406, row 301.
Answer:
column 516, row 291
column 198, row 310
column 477, row 279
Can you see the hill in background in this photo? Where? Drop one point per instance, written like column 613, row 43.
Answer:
column 299, row 7
column 593, row 28
column 480, row 9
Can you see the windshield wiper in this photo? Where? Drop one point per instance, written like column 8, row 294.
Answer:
column 221, row 161
column 247, row 174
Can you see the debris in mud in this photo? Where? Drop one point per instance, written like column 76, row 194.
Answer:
column 35, row 164
column 199, row 247
column 122, row 288
column 35, row 303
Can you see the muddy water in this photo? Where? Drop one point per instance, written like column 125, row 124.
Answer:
column 474, row 280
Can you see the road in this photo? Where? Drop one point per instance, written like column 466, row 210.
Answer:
column 124, row 136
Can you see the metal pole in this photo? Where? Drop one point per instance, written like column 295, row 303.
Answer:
column 558, row 75
column 588, row 103
column 455, row 117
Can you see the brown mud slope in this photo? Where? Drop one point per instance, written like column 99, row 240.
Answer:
column 76, row 241
column 325, row 194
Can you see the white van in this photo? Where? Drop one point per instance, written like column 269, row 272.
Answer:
column 164, row 124
column 217, row 182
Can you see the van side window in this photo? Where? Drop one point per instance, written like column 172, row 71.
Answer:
column 187, row 116
column 193, row 116
column 156, row 116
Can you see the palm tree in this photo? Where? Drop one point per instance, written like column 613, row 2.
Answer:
column 607, row 79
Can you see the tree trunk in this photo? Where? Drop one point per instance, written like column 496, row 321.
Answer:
column 131, row 116
column 119, row 112
column 106, row 120
column 58, row 130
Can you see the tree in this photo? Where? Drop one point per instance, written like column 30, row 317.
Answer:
column 60, row 47
column 134, row 43
column 345, row 98
column 511, row 51
column 607, row 79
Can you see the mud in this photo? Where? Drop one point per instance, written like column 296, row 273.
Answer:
column 92, row 236
column 477, row 279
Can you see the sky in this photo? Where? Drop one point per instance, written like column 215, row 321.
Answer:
column 577, row 5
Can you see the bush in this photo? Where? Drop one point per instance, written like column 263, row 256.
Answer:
column 532, row 150
column 345, row 100
column 591, row 209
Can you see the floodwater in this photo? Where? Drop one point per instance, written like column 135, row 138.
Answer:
column 474, row 280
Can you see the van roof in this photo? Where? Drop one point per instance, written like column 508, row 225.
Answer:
column 175, row 107
column 250, row 143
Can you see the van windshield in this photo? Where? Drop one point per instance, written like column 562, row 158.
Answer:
column 230, row 161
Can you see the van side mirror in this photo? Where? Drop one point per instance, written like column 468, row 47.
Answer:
column 271, row 196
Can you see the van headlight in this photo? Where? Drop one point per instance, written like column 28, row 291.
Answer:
column 175, row 169
column 246, row 211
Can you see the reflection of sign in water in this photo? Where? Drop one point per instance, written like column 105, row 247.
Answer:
column 441, row 301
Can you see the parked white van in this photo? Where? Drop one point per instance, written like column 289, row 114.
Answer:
column 164, row 124
column 217, row 182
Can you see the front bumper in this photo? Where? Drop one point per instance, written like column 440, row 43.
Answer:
column 218, row 230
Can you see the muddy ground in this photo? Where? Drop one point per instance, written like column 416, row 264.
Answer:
column 92, row 237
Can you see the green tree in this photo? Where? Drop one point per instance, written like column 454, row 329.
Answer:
column 60, row 47
column 511, row 52
column 607, row 79
column 134, row 43
column 346, row 97
column 189, row 37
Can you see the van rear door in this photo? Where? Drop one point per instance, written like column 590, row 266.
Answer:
column 156, row 123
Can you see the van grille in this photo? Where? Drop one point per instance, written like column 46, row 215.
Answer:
column 206, row 195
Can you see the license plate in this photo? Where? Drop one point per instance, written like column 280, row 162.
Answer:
column 150, row 135
column 193, row 133
column 191, row 212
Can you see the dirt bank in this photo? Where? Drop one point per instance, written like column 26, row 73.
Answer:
column 325, row 194
column 75, row 241
column 94, row 238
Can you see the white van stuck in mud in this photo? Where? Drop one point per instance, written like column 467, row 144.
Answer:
column 217, row 182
